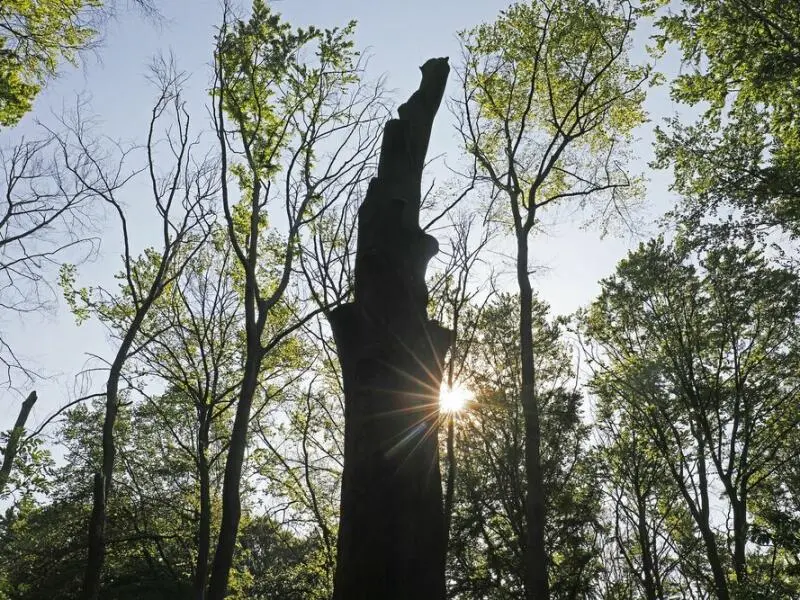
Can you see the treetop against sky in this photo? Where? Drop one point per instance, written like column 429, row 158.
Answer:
column 112, row 86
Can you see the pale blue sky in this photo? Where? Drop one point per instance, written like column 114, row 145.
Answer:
column 398, row 36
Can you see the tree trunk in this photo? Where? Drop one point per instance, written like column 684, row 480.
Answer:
column 450, row 454
column 537, row 586
column 204, row 526
column 13, row 440
column 718, row 571
column 96, row 553
column 739, row 537
column 648, row 569
column 102, row 480
column 450, row 487
column 231, row 502
column 715, row 563
column 391, row 535
column 97, row 547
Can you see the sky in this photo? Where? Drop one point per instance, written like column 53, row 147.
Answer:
column 398, row 37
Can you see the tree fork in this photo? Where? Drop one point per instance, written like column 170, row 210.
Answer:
column 391, row 536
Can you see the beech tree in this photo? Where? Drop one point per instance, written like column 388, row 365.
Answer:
column 741, row 66
column 182, row 194
column 36, row 36
column 487, row 550
column 296, row 130
column 195, row 350
column 698, row 354
column 649, row 548
column 547, row 105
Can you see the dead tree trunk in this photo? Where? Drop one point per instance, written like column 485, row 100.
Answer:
column 13, row 441
column 391, row 534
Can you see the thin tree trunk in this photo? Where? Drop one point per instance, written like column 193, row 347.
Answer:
column 450, row 457
column 204, row 526
column 231, row 503
column 450, row 486
column 714, row 561
column 739, row 538
column 700, row 513
column 13, row 441
column 97, row 548
column 537, row 586
column 102, row 480
column 648, row 578
column 704, row 523
column 391, row 535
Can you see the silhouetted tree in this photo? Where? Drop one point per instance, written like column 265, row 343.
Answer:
column 391, row 529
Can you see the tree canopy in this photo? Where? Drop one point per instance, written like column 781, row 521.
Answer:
column 742, row 63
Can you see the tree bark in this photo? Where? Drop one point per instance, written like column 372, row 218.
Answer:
column 96, row 553
column 391, row 535
column 537, row 586
column 204, row 525
column 231, row 502
column 450, row 487
column 103, row 479
column 740, row 528
column 13, row 440
column 97, row 543
column 715, row 563
column 702, row 518
column 647, row 576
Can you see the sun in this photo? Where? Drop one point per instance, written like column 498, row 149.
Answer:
column 455, row 399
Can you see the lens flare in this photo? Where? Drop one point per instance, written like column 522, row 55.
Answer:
column 455, row 399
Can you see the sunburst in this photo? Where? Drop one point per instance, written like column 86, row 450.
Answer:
column 455, row 399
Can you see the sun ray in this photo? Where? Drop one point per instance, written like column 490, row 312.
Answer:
column 455, row 399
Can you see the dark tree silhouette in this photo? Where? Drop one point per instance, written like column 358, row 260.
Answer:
column 391, row 535
column 14, row 440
